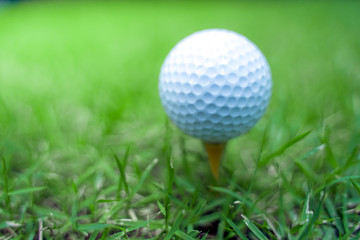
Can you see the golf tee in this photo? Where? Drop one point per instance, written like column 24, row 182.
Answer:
column 214, row 152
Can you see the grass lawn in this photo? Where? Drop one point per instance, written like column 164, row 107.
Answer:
column 86, row 150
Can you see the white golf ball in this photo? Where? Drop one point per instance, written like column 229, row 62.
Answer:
column 215, row 85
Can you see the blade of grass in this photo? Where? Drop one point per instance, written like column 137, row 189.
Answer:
column 75, row 207
column 26, row 190
column 151, row 198
column 108, row 200
column 267, row 229
column 339, row 180
column 333, row 214
column 351, row 161
column 30, row 171
column 161, row 207
column 121, row 168
column 345, row 203
column 282, row 219
column 312, row 152
column 356, row 186
column 184, row 184
column 343, row 179
column 221, row 225
column 272, row 229
column 193, row 233
column 330, row 157
column 134, row 225
column 144, row 175
column 94, row 235
column 225, row 213
column 6, row 185
column 307, row 229
column 167, row 137
column 236, row 196
column 175, row 227
column 51, row 213
column 104, row 236
column 93, row 227
column 170, row 181
column 214, row 204
column 183, row 235
column 306, row 212
column 205, row 236
column 236, row 229
column 283, row 148
column 194, row 212
column 349, row 233
column 172, row 197
column 253, row 228
column 212, row 217
column 289, row 187
column 253, row 177
column 304, row 167
column 184, row 156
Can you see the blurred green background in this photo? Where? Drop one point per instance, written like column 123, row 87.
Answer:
column 79, row 82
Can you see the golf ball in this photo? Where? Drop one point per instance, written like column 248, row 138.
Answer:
column 215, row 85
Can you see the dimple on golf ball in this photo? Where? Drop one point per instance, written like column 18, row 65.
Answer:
column 215, row 85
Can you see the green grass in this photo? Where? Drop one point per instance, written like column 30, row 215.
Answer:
column 87, row 151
